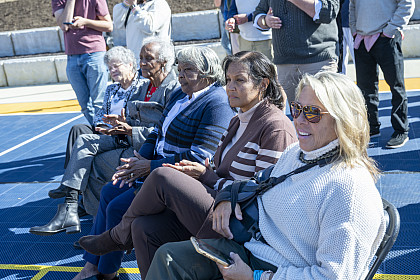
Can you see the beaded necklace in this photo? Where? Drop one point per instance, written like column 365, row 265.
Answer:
column 329, row 154
column 150, row 91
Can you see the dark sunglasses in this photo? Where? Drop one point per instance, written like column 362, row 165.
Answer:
column 311, row 113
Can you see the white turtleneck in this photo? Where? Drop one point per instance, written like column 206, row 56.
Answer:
column 323, row 223
column 244, row 118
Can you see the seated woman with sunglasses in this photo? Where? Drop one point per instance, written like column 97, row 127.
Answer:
column 323, row 223
column 176, row 201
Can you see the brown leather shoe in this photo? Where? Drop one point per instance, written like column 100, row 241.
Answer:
column 101, row 244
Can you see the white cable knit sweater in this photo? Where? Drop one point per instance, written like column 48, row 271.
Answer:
column 322, row 223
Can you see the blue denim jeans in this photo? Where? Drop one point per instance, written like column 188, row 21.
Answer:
column 88, row 76
column 114, row 202
column 224, row 36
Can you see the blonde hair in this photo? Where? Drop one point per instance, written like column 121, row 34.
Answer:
column 346, row 105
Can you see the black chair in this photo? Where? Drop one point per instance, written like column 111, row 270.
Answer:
column 392, row 218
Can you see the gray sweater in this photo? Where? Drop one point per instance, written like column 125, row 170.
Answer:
column 302, row 40
column 368, row 17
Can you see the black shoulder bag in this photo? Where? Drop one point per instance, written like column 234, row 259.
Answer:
column 245, row 192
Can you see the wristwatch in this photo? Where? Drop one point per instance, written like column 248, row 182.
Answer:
column 263, row 21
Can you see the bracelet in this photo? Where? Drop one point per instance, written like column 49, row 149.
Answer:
column 257, row 274
column 266, row 275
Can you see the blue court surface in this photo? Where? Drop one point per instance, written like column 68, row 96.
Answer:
column 32, row 150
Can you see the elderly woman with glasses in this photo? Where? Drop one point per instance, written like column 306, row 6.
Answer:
column 95, row 156
column 176, row 201
column 190, row 128
column 322, row 223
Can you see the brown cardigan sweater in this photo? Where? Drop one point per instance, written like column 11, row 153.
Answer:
column 268, row 133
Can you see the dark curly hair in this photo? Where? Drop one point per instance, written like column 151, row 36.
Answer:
column 259, row 67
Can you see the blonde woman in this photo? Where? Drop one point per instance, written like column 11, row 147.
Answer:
column 323, row 223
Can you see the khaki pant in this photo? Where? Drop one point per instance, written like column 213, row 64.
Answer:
column 289, row 75
column 234, row 42
column 265, row 47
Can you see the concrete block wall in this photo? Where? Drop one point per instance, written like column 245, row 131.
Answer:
column 6, row 44
column 410, row 44
column 416, row 15
column 185, row 27
column 35, row 41
column 52, row 69
column 201, row 25
column 3, row 81
column 30, row 71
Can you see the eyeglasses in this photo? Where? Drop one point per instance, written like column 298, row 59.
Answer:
column 311, row 113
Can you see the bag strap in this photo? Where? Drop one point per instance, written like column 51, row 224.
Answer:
column 127, row 16
column 270, row 182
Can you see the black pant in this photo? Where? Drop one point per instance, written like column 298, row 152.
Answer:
column 386, row 53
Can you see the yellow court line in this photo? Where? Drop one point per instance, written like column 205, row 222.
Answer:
column 73, row 105
column 396, row 277
column 410, row 84
column 44, row 269
column 40, row 107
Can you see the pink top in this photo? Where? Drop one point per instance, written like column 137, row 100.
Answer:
column 87, row 40
column 370, row 40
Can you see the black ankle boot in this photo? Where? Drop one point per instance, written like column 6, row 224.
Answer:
column 58, row 192
column 66, row 219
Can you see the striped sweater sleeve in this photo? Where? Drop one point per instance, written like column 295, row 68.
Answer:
column 214, row 122
column 254, row 157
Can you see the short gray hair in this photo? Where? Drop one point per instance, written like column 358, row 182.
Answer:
column 121, row 54
column 166, row 51
column 205, row 60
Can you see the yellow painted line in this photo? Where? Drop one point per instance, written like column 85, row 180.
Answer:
column 410, row 84
column 44, row 269
column 40, row 107
column 396, row 277
column 73, row 105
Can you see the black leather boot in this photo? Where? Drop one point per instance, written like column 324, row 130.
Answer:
column 58, row 192
column 66, row 219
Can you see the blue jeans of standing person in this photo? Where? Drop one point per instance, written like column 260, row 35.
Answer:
column 114, row 202
column 88, row 76
column 387, row 53
column 224, row 36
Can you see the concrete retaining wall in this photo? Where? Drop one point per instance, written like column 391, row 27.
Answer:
column 195, row 26
column 201, row 25
column 52, row 69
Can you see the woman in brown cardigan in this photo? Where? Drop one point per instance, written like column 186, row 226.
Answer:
column 176, row 201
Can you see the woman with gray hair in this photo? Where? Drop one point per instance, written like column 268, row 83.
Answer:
column 114, row 101
column 176, row 201
column 190, row 129
column 134, row 108
column 323, row 219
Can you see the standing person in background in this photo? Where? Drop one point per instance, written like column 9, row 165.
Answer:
column 250, row 38
column 142, row 19
column 83, row 23
column 229, row 11
column 305, row 37
column 224, row 34
column 377, row 41
column 348, row 46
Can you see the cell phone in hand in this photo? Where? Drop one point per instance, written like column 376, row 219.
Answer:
column 68, row 23
column 210, row 252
